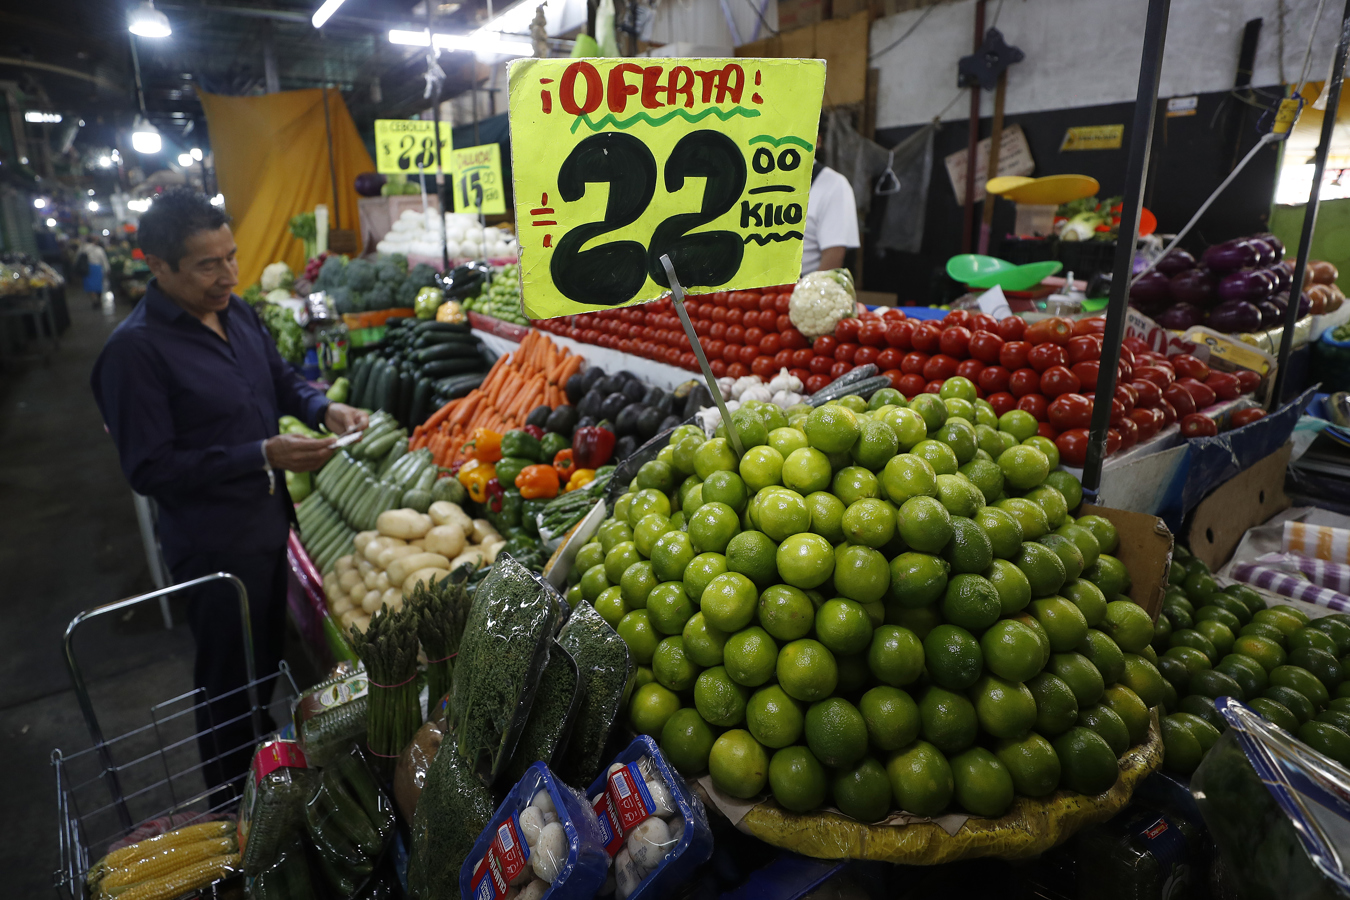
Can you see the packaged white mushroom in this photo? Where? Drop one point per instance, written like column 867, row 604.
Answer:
column 641, row 822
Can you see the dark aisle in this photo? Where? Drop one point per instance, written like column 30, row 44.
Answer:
column 70, row 543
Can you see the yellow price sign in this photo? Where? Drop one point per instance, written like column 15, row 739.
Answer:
column 477, row 176
column 408, row 146
column 618, row 163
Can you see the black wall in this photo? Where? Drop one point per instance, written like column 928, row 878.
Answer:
column 1191, row 155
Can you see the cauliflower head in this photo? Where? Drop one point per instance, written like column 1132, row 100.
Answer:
column 277, row 276
column 819, row 301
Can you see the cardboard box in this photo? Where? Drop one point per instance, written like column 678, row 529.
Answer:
column 793, row 14
column 1246, row 500
column 1145, row 549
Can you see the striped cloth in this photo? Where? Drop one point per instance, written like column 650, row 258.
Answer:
column 1318, row 541
column 1287, row 585
column 1320, row 572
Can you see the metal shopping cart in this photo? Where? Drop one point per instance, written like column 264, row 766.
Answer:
column 152, row 773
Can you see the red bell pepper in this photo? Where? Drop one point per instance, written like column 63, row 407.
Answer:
column 534, row 431
column 592, row 447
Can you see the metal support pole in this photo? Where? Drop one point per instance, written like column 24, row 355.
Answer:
column 995, row 144
column 1136, row 173
column 436, row 119
column 973, row 144
column 1333, row 89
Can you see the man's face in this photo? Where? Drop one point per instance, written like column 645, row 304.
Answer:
column 206, row 274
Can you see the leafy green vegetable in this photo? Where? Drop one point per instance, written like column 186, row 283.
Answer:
column 286, row 332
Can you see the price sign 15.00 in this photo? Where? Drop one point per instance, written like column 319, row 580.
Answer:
column 617, row 164
column 477, row 174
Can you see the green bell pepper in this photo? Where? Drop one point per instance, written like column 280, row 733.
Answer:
column 521, row 443
column 508, row 467
column 529, row 511
column 552, row 443
column 504, row 511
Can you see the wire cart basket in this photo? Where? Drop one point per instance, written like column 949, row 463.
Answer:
column 152, row 773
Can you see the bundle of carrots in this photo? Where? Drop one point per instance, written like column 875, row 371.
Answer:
column 532, row 376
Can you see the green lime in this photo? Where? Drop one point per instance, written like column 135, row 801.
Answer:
column 612, row 533
column 787, row 441
column 1104, row 654
column 933, row 410
column 668, row 607
column 719, row 699
column 1219, row 635
column 921, row 621
column 987, row 439
column 1027, row 619
column 1264, row 650
column 682, row 453
column 959, row 409
column 703, row 644
column 671, row 553
column 938, row 455
column 727, row 487
column 1032, row 764
column 1019, row 423
column 895, row 656
column 805, row 560
column 1102, row 530
column 1043, row 568
column 907, row 424
column 969, row 550
column 1082, row 538
column 1126, row 704
column 986, row 477
column 636, row 583
column 1024, row 467
column 593, row 581
column 1327, row 740
column 785, row 612
column 1056, row 705
column 700, row 572
column 1321, row 664
column 892, row 717
column 1064, row 482
column 971, row 602
column 652, row 705
column 1275, row 713
column 827, row 515
column 860, row 573
column 618, row 559
column 983, row 785
column 782, row 513
column 1003, row 530
column 738, row 764
column 1068, row 554
column 753, row 555
column 648, row 531
column 761, row 467
column 610, row 605
column 1014, row 590
column 925, row 525
column 1108, row 725
column 863, row 792
column 985, row 415
column 774, row 718
column 806, row 470
column 714, row 455
column 797, row 779
column 1128, row 625
column 948, row 720
column 671, row 667
column 1046, row 446
column 869, row 522
column 712, row 527
column 854, row 483
column 1011, row 650
column 1181, row 749
column 906, row 476
column 1029, row 515
column 832, row 428
column 691, row 496
column 1301, row 680
column 1142, row 677
column 958, row 495
column 1086, row 762
column 636, row 630
column 921, row 778
column 645, row 502
column 1089, row 599
column 750, row 656
column 843, row 626
column 836, row 732
column 686, row 741
column 959, row 435
column 1063, row 622
column 1078, row 672
column 1298, row 704
column 807, row 670
column 1005, row 709
column 876, row 444
column 656, row 474
column 953, row 657
column 729, row 601
column 1109, row 574
column 918, row 579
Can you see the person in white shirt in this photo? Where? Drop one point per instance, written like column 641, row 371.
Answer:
column 831, row 226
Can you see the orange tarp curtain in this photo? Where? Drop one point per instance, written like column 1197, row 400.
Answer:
column 271, row 155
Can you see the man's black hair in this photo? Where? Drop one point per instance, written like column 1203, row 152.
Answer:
column 173, row 217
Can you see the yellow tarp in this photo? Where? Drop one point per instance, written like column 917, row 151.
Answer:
column 271, row 155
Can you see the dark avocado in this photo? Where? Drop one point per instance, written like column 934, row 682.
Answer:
column 627, row 421
column 585, row 422
column 697, row 399
column 538, row 416
column 592, row 376
column 649, row 422
column 613, row 405
column 562, row 420
column 635, row 391
column 653, row 396
column 592, row 403
column 611, row 384
column 625, row 447
column 669, row 422
column 576, row 388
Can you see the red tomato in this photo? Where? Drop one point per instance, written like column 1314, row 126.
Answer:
column 735, row 334
column 737, row 370
column 749, row 354
column 895, row 376
column 1013, row 354
column 1224, row 385
column 898, row 333
column 926, row 337
column 913, row 363
column 955, row 341
column 753, row 335
column 820, row 365
column 970, row 368
column 981, row 322
column 735, row 316
column 718, row 331
column 1093, row 325
column 1058, row 380
column 1087, row 372
column 844, row 352
column 1159, row 375
column 911, row 385
column 1136, row 345
column 1147, row 394
column 783, row 302
column 763, row 367
column 993, row 379
column 840, row 369
column 1011, row 328
column 1024, row 381
column 846, row 332
column 985, row 346
column 782, row 359
column 940, row 367
column 1148, row 421
column 793, row 339
column 718, row 366
column 1047, row 431
column 1248, row 380
column 1188, row 366
column 932, row 387
column 824, row 345
column 1086, row 346
column 1169, row 413
column 1054, row 330
column 784, row 323
column 1126, row 395
column 1069, row 411
column 1129, row 432
column 956, row 317
column 1247, row 416
column 889, row 359
column 718, row 314
column 891, row 312
column 865, row 356
column 730, row 352
column 1180, row 398
column 802, row 357
column 1002, row 401
column 1112, row 441
column 873, row 333
column 816, row 382
column 1073, row 446
column 771, row 345
column 1044, row 356
column 1198, row 425
column 1034, row 404
column 1201, row 393
column 800, row 374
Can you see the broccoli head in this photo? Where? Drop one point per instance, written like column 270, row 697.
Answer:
column 381, row 296
column 423, row 275
column 405, row 297
column 397, row 260
column 342, row 300
column 360, row 275
column 332, row 274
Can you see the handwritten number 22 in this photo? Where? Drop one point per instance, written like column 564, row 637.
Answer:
column 614, row 272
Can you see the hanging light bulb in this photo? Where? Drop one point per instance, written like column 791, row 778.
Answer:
column 146, row 21
column 145, row 137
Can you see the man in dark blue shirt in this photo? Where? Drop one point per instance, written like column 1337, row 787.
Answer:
column 191, row 386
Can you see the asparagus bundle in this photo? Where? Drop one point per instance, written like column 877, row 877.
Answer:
column 441, row 607
column 388, row 647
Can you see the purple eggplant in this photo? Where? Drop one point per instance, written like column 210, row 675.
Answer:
column 368, row 184
column 1234, row 316
column 1271, row 315
column 1195, row 286
column 1282, row 278
column 1181, row 316
column 1175, row 262
column 1276, row 245
column 1265, row 254
column 1230, row 256
column 1246, row 285
column 1150, row 293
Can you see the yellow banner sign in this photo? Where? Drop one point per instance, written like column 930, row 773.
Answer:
column 618, row 163
column 1093, row 137
column 407, row 146
column 477, row 176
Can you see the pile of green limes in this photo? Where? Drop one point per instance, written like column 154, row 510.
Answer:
column 878, row 606
column 1225, row 642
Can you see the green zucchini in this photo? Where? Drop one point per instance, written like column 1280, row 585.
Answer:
column 441, row 351
column 389, row 386
column 444, row 367
column 421, row 402
column 377, row 448
column 399, row 450
column 362, row 786
column 360, row 375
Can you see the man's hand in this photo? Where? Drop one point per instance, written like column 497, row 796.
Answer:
column 296, row 453
column 342, row 418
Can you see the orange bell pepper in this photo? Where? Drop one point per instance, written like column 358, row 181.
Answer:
column 537, row 483
column 484, row 445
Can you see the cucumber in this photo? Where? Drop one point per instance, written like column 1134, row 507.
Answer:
column 377, row 448
column 449, row 327
column 360, row 375
column 444, row 367
column 440, row 352
column 426, row 479
column 421, row 402
column 389, row 386
column 414, row 472
column 399, row 450
column 362, row 786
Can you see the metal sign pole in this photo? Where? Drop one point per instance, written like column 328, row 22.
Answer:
column 1136, row 173
column 1333, row 89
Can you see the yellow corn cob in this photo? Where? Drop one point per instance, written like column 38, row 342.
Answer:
column 188, row 834
column 188, row 878
column 163, row 862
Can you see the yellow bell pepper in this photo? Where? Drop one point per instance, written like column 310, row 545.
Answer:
column 580, row 478
column 475, row 475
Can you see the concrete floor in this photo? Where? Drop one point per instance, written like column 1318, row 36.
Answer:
column 70, row 542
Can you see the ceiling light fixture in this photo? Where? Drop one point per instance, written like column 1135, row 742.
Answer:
column 145, row 21
column 46, row 118
column 93, row 206
column 105, row 162
column 185, row 160
column 39, row 203
column 218, row 200
column 145, row 137
column 51, row 223
column 196, row 153
column 477, row 42
column 139, row 206
column 325, row 12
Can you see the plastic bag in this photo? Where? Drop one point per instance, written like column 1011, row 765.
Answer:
column 654, row 827
column 349, row 821
column 453, row 809
column 289, row 876
column 603, row 660
column 410, row 775
column 331, row 715
column 1278, row 810
column 275, row 791
column 544, row 840
column 555, row 706
column 503, row 650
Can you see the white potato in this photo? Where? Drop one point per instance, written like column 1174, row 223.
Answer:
column 388, row 555
column 362, row 538
column 404, row 566
column 482, row 530
column 348, row 579
column 473, row 555
column 490, row 550
column 447, row 540
column 344, row 563
column 443, row 512
column 371, row 602
column 423, row 576
column 420, row 543
column 407, row 524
